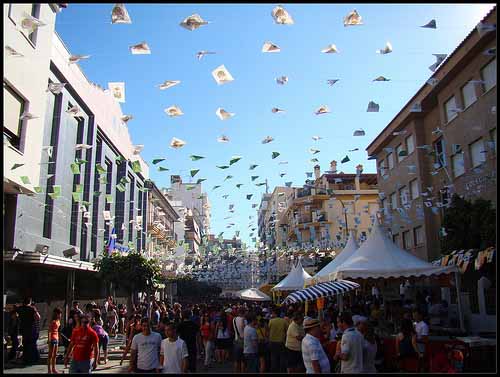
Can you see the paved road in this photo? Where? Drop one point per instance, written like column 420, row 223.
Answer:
column 115, row 348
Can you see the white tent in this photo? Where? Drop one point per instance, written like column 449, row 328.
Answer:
column 323, row 275
column 253, row 294
column 379, row 257
column 294, row 280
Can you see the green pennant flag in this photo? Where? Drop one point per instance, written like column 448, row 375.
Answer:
column 79, row 189
column 253, row 166
column 215, row 187
column 239, row 185
column 249, row 196
column 109, row 198
column 254, row 177
column 275, row 154
column 160, row 168
column 260, row 184
column 120, row 187
column 76, row 196
column 222, row 166
column 85, row 203
column 314, row 160
column 124, row 180
column 194, row 157
column 97, row 193
column 200, row 180
column 38, row 189
column 186, row 246
column 100, row 169
column 80, row 162
column 15, row 166
column 228, row 177
column 403, row 153
column 136, row 166
column 282, row 175
column 200, row 197
column 75, row 168
column 190, row 187
column 143, row 189
column 56, row 192
column 103, row 180
column 158, row 160
column 120, row 159
column 234, row 160
column 193, row 172
column 345, row 159
column 288, row 184
column 25, row 180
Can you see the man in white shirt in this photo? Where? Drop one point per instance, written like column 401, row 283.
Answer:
column 422, row 330
column 315, row 358
column 145, row 350
column 239, row 324
column 174, row 353
column 250, row 345
column 351, row 345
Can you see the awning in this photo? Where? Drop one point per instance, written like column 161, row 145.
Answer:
column 29, row 257
column 327, row 289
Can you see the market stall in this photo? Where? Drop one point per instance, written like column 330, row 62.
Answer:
column 253, row 294
column 294, row 281
column 317, row 291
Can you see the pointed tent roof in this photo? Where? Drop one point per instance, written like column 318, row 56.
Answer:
column 323, row 274
column 253, row 294
column 379, row 257
column 294, row 280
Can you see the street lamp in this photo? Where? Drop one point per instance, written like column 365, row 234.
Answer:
column 345, row 217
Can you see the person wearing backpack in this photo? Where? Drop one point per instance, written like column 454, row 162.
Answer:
column 239, row 324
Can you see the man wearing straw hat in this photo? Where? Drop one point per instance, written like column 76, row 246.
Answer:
column 315, row 358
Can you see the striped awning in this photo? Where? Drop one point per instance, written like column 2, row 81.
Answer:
column 327, row 289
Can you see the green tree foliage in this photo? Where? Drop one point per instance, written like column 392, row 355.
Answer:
column 132, row 271
column 469, row 225
column 188, row 287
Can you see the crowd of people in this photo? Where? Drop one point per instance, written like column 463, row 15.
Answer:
column 255, row 337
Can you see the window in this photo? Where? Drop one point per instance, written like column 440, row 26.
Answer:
column 457, row 164
column 18, row 11
column 440, row 158
column 410, row 144
column 400, row 153
column 468, row 94
column 395, row 239
column 403, row 195
column 394, row 201
column 414, row 191
column 13, row 105
column 382, row 167
column 450, row 106
column 390, row 160
column 489, row 75
column 418, row 234
column 407, row 244
column 477, row 153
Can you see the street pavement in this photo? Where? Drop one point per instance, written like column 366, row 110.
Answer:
column 115, row 351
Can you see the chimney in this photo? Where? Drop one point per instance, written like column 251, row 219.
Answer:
column 359, row 170
column 317, row 172
column 333, row 166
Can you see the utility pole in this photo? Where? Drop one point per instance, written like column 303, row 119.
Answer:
column 267, row 187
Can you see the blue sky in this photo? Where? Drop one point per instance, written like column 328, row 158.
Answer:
column 237, row 33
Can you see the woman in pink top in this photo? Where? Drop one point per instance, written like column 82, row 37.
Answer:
column 54, row 340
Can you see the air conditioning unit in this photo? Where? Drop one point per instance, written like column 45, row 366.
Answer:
column 42, row 249
column 71, row 252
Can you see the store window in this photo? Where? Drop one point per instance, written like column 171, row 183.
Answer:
column 418, row 234
column 390, row 160
column 401, row 152
column 410, row 144
column 407, row 241
column 469, row 94
column 457, row 164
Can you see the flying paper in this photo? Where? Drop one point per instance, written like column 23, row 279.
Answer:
column 27, row 115
column 330, row 49
column 55, row 87
column 13, row 52
column 270, row 47
column 177, row 143
column 161, row 168
column 359, row 132
column 157, row 160
column 223, row 114
column 353, row 18
column 173, row 111
column 322, row 110
column 221, row 75
column 201, row 54
column 168, row 84
column 281, row 80
column 76, row 58
column 432, row 81
column 239, row 185
column 281, row 16
column 416, row 108
column 15, row 166
column 140, row 49
column 267, row 140
column 228, row 177
column 194, row 157
column 234, row 160
column 79, row 147
column 314, row 151
column 275, row 154
column 381, row 78
column 193, row 22
column 316, row 138
column 439, row 59
column 118, row 90
column 30, row 23
column 223, row 139
column 430, row 25
column 126, row 118
column 136, row 166
column 253, row 166
column 373, row 107
column 276, row 110
column 119, row 15
column 484, row 28
column 193, row 172
column 386, row 50
column 200, row 180
column 332, row 82
column 222, row 166
column 345, row 159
